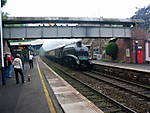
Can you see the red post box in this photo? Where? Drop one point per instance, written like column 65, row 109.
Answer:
column 140, row 56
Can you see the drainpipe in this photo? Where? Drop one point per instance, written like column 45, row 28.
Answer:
column 136, row 51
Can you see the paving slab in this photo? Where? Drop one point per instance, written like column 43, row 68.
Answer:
column 23, row 98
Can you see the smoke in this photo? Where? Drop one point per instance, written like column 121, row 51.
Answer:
column 53, row 43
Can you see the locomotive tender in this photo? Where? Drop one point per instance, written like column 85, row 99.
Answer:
column 73, row 55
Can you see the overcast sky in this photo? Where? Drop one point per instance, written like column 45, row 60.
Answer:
column 74, row 8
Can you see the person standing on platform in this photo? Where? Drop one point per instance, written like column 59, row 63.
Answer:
column 31, row 60
column 17, row 63
column 10, row 60
column 8, row 65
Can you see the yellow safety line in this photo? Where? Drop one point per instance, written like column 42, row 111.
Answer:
column 49, row 101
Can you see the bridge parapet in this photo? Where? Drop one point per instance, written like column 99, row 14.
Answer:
column 59, row 32
column 85, row 27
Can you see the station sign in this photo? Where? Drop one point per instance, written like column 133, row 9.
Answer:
column 17, row 50
column 21, row 47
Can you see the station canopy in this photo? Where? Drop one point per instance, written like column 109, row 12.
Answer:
column 36, row 44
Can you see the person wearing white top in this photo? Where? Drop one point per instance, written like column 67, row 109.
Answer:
column 17, row 64
column 31, row 61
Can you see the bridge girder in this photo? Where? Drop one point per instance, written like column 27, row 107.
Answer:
column 59, row 32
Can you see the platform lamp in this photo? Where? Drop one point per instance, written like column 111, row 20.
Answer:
column 2, row 57
column 136, row 51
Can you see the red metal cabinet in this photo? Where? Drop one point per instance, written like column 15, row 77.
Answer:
column 140, row 56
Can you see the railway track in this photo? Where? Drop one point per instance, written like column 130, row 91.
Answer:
column 105, row 103
column 119, row 94
column 134, row 88
column 129, row 94
column 136, row 76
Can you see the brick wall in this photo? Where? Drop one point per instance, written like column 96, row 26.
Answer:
column 128, row 45
column 123, row 46
column 138, row 33
column 139, row 36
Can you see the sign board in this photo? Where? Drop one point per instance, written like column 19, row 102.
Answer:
column 127, row 52
column 147, row 51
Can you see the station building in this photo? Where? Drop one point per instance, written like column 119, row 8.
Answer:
column 130, row 50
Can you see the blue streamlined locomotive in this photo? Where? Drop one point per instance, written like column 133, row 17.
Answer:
column 73, row 55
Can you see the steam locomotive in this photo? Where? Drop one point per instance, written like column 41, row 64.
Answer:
column 73, row 55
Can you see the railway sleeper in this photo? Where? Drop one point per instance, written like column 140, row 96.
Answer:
column 147, row 93
column 97, row 101
column 105, row 104
column 113, row 110
column 91, row 96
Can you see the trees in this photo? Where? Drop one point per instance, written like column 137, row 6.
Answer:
column 143, row 13
column 3, row 2
column 4, row 14
column 112, row 50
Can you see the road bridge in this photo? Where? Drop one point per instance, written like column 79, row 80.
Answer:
column 31, row 28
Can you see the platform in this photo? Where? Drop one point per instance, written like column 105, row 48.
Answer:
column 23, row 98
column 47, row 92
column 70, row 99
column 136, row 67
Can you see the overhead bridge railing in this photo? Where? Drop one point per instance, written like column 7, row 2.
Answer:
column 59, row 32
column 84, row 28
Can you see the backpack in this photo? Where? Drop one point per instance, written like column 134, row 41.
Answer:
column 9, row 59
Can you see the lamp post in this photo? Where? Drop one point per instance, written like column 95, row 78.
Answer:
column 136, row 51
column 2, row 57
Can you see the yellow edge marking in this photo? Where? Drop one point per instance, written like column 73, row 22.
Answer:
column 49, row 101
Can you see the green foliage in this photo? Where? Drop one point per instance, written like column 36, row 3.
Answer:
column 3, row 2
column 149, row 30
column 5, row 15
column 143, row 13
column 112, row 50
column 114, row 61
